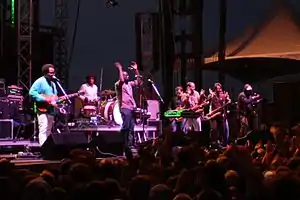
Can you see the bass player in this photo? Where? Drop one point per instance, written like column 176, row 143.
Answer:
column 218, row 120
column 40, row 90
column 176, row 104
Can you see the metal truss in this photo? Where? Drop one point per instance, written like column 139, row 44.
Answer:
column 60, row 41
column 147, row 41
column 188, row 53
column 24, row 27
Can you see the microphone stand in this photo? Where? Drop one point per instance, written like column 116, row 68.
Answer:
column 144, row 107
column 156, row 91
column 63, row 91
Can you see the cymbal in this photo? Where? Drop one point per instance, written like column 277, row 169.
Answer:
column 107, row 92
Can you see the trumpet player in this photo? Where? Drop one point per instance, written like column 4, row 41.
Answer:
column 219, row 133
column 247, row 110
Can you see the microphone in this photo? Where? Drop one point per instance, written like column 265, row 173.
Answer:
column 150, row 80
column 131, row 68
column 55, row 78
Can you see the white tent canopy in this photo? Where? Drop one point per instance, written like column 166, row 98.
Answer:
column 278, row 37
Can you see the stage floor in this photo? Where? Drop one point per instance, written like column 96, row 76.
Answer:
column 29, row 162
column 9, row 149
column 12, row 143
column 137, row 128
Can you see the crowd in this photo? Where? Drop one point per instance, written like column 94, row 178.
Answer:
column 168, row 168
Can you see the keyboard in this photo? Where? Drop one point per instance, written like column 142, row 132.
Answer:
column 181, row 113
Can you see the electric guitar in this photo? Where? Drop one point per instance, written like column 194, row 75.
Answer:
column 54, row 101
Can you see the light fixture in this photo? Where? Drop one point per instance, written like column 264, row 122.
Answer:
column 112, row 3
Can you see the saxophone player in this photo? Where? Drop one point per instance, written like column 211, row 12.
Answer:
column 219, row 129
column 192, row 101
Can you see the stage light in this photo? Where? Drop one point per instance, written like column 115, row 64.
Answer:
column 112, row 4
column 12, row 12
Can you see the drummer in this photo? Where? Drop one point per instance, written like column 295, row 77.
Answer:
column 89, row 90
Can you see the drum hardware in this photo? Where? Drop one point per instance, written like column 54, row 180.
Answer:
column 62, row 111
column 61, row 120
column 107, row 93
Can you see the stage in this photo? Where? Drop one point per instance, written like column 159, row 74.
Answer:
column 137, row 128
column 108, row 139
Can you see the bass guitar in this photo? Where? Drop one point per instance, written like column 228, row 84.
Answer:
column 54, row 101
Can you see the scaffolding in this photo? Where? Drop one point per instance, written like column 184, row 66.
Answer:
column 147, row 47
column 24, row 27
column 60, row 41
column 189, row 41
column 147, row 41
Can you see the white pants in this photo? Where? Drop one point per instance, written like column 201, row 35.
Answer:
column 192, row 124
column 45, row 123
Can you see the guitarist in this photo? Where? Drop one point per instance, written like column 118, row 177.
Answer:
column 219, row 124
column 247, row 114
column 176, row 104
column 44, row 85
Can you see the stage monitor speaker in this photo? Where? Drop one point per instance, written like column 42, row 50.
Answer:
column 109, row 143
column 153, row 108
column 58, row 146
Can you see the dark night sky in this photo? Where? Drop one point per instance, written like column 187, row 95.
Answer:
column 106, row 35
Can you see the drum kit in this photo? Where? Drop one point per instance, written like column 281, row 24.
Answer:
column 105, row 110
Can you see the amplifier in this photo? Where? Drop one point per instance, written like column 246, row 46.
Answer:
column 157, row 124
column 8, row 109
column 6, row 129
column 153, row 108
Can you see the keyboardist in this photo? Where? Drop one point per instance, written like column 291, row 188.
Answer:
column 176, row 104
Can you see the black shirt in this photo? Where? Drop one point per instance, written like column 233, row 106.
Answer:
column 175, row 103
column 245, row 104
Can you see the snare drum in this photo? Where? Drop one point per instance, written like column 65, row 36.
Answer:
column 111, row 112
column 89, row 111
column 90, row 108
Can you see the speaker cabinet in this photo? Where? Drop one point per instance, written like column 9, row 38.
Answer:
column 58, row 146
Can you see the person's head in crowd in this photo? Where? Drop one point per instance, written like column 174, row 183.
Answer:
column 161, row 192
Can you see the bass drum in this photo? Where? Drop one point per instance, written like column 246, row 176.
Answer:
column 111, row 112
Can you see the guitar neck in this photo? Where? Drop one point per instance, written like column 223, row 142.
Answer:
column 71, row 95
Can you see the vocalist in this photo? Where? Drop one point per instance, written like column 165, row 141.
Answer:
column 124, row 91
column 44, row 94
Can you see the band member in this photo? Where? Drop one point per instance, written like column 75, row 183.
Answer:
column 127, row 103
column 218, row 115
column 89, row 89
column 40, row 92
column 177, row 103
column 247, row 113
column 192, row 101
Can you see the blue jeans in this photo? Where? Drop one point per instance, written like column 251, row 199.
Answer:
column 226, row 134
column 219, row 130
column 176, row 126
column 127, row 129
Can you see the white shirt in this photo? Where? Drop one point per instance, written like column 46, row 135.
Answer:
column 90, row 92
